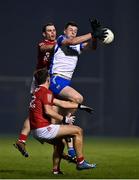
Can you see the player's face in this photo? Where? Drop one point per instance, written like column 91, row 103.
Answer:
column 71, row 31
column 50, row 33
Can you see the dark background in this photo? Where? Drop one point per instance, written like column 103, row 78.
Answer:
column 108, row 77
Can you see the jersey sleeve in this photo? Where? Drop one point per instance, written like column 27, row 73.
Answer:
column 41, row 44
column 81, row 46
column 60, row 40
column 47, row 98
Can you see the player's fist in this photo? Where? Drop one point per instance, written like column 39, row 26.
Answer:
column 95, row 24
column 97, row 30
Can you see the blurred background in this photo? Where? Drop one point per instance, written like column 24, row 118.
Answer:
column 107, row 77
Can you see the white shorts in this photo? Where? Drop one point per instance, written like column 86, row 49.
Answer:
column 46, row 133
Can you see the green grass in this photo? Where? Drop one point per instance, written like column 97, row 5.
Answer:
column 115, row 158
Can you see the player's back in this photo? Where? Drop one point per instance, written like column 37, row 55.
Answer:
column 38, row 117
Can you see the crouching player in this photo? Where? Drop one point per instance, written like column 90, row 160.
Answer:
column 40, row 115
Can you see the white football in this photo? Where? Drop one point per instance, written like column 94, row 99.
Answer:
column 109, row 37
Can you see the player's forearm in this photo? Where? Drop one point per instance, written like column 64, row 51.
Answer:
column 45, row 48
column 79, row 39
column 65, row 104
column 54, row 115
column 68, row 105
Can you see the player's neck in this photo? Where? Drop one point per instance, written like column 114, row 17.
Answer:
column 46, row 85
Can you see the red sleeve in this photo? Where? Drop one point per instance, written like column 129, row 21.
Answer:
column 47, row 98
column 41, row 44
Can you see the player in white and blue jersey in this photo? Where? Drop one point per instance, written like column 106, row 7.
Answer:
column 67, row 51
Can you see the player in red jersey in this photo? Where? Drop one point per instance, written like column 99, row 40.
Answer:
column 45, row 50
column 40, row 113
column 45, row 47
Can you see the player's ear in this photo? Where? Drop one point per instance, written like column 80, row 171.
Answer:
column 44, row 35
column 64, row 31
column 48, row 79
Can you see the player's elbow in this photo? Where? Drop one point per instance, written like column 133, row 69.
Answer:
column 48, row 111
column 79, row 131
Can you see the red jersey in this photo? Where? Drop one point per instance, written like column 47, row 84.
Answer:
column 44, row 57
column 38, row 118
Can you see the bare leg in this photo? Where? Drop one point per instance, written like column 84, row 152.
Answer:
column 57, row 154
column 78, row 137
column 20, row 143
column 78, row 144
column 26, row 127
column 68, row 93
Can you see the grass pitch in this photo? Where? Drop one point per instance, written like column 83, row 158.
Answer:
column 115, row 159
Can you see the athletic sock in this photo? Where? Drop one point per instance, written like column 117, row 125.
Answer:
column 80, row 160
column 71, row 152
column 22, row 138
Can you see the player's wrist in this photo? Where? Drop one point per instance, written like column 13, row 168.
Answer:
column 80, row 106
column 94, row 39
column 92, row 34
column 64, row 120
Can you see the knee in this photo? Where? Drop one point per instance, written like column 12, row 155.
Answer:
column 80, row 131
column 78, row 99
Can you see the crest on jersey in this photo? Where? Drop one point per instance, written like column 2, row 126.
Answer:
column 49, row 128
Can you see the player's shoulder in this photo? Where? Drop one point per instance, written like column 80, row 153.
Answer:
column 46, row 42
column 60, row 39
column 62, row 36
column 40, row 91
column 45, row 90
column 49, row 91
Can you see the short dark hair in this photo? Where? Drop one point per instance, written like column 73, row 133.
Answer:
column 70, row 23
column 41, row 75
column 48, row 24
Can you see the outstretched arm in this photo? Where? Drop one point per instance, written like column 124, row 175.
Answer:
column 71, row 105
column 43, row 47
column 65, row 104
column 58, row 118
column 92, row 44
column 77, row 40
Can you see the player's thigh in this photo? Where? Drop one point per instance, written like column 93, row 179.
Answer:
column 71, row 94
column 68, row 130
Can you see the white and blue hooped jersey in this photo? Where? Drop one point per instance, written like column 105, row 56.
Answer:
column 65, row 58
